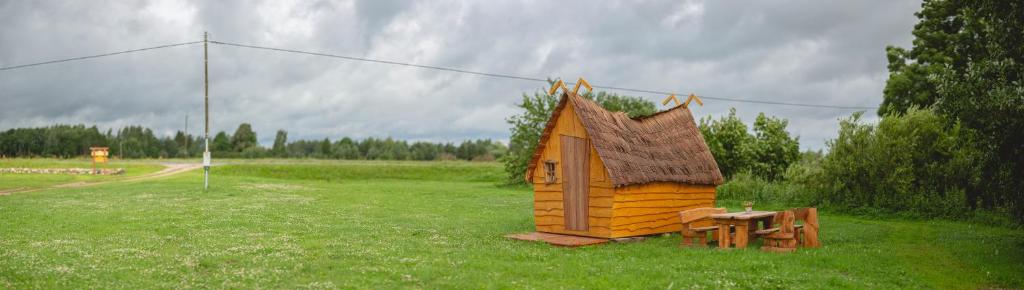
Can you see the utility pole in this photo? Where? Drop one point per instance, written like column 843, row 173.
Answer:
column 206, row 105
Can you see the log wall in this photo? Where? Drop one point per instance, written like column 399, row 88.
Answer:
column 654, row 208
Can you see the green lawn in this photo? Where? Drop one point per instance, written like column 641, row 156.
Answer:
column 430, row 225
column 26, row 181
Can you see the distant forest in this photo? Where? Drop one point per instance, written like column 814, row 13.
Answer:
column 67, row 141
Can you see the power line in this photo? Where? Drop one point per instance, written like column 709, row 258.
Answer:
column 496, row 75
column 96, row 56
column 508, row 76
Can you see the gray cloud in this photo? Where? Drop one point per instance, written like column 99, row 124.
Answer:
column 791, row 51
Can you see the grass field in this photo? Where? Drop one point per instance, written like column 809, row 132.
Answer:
column 27, row 181
column 430, row 225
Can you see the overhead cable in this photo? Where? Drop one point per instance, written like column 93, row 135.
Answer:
column 96, row 56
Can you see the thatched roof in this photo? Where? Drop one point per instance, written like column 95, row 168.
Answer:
column 666, row 146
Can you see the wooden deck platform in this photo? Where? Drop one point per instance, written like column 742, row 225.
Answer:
column 557, row 239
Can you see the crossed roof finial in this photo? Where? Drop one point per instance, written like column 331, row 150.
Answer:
column 556, row 85
column 686, row 104
column 583, row 82
column 693, row 98
column 671, row 97
column 576, row 90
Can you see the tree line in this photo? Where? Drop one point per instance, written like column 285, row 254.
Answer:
column 67, row 141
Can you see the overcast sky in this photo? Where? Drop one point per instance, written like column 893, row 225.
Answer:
column 818, row 52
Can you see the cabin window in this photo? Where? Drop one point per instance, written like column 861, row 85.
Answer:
column 549, row 171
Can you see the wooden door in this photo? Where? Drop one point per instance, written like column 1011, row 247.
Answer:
column 575, row 182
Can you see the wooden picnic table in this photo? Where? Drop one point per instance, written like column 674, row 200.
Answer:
column 744, row 223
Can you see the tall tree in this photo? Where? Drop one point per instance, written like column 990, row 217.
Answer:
column 181, row 141
column 954, row 41
column 325, row 148
column 765, row 154
column 944, row 39
column 729, row 142
column 280, row 141
column 243, row 138
column 773, row 149
column 221, row 142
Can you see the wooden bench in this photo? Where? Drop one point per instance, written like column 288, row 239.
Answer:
column 697, row 224
column 808, row 227
column 781, row 238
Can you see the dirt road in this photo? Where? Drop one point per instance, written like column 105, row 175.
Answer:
column 169, row 169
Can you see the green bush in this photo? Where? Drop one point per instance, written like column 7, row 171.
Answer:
column 912, row 163
column 766, row 153
column 796, row 188
column 773, row 150
column 728, row 140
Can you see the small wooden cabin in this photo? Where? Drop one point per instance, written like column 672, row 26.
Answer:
column 602, row 174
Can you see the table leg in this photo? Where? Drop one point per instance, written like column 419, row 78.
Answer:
column 741, row 235
column 723, row 236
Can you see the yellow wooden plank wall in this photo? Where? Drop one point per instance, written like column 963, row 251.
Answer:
column 549, row 215
column 654, row 208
